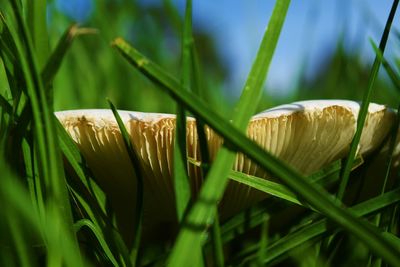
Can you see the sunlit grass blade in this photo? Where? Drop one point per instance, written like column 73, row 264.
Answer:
column 138, row 174
column 315, row 196
column 325, row 177
column 265, row 186
column 362, row 114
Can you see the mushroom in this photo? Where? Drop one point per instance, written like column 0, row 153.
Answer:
column 307, row 135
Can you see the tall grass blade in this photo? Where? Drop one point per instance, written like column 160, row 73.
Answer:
column 8, row 54
column 198, row 88
column 393, row 75
column 262, row 252
column 46, row 145
column 362, row 114
column 181, row 177
column 37, row 23
column 53, row 64
column 202, row 213
column 218, row 251
column 87, row 223
column 139, row 193
column 390, row 153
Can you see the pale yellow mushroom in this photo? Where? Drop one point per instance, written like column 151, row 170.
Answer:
column 307, row 135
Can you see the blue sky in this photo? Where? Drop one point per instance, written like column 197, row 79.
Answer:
column 310, row 33
column 238, row 27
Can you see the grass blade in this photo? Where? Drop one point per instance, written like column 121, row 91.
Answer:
column 5, row 106
column 197, row 88
column 83, row 185
column 325, row 177
column 262, row 252
column 139, row 197
column 46, row 231
column 181, row 177
column 36, row 19
column 87, row 223
column 46, row 145
column 265, row 186
column 362, row 114
column 318, row 228
column 394, row 77
column 252, row 217
column 218, row 251
column 53, row 64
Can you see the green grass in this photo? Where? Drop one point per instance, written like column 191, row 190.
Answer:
column 365, row 103
column 181, row 176
column 56, row 214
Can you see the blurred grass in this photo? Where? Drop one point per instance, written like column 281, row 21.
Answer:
column 55, row 215
column 339, row 71
column 129, row 90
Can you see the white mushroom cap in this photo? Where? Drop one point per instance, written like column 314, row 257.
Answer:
column 307, row 135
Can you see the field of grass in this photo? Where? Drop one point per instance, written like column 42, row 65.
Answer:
column 54, row 213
